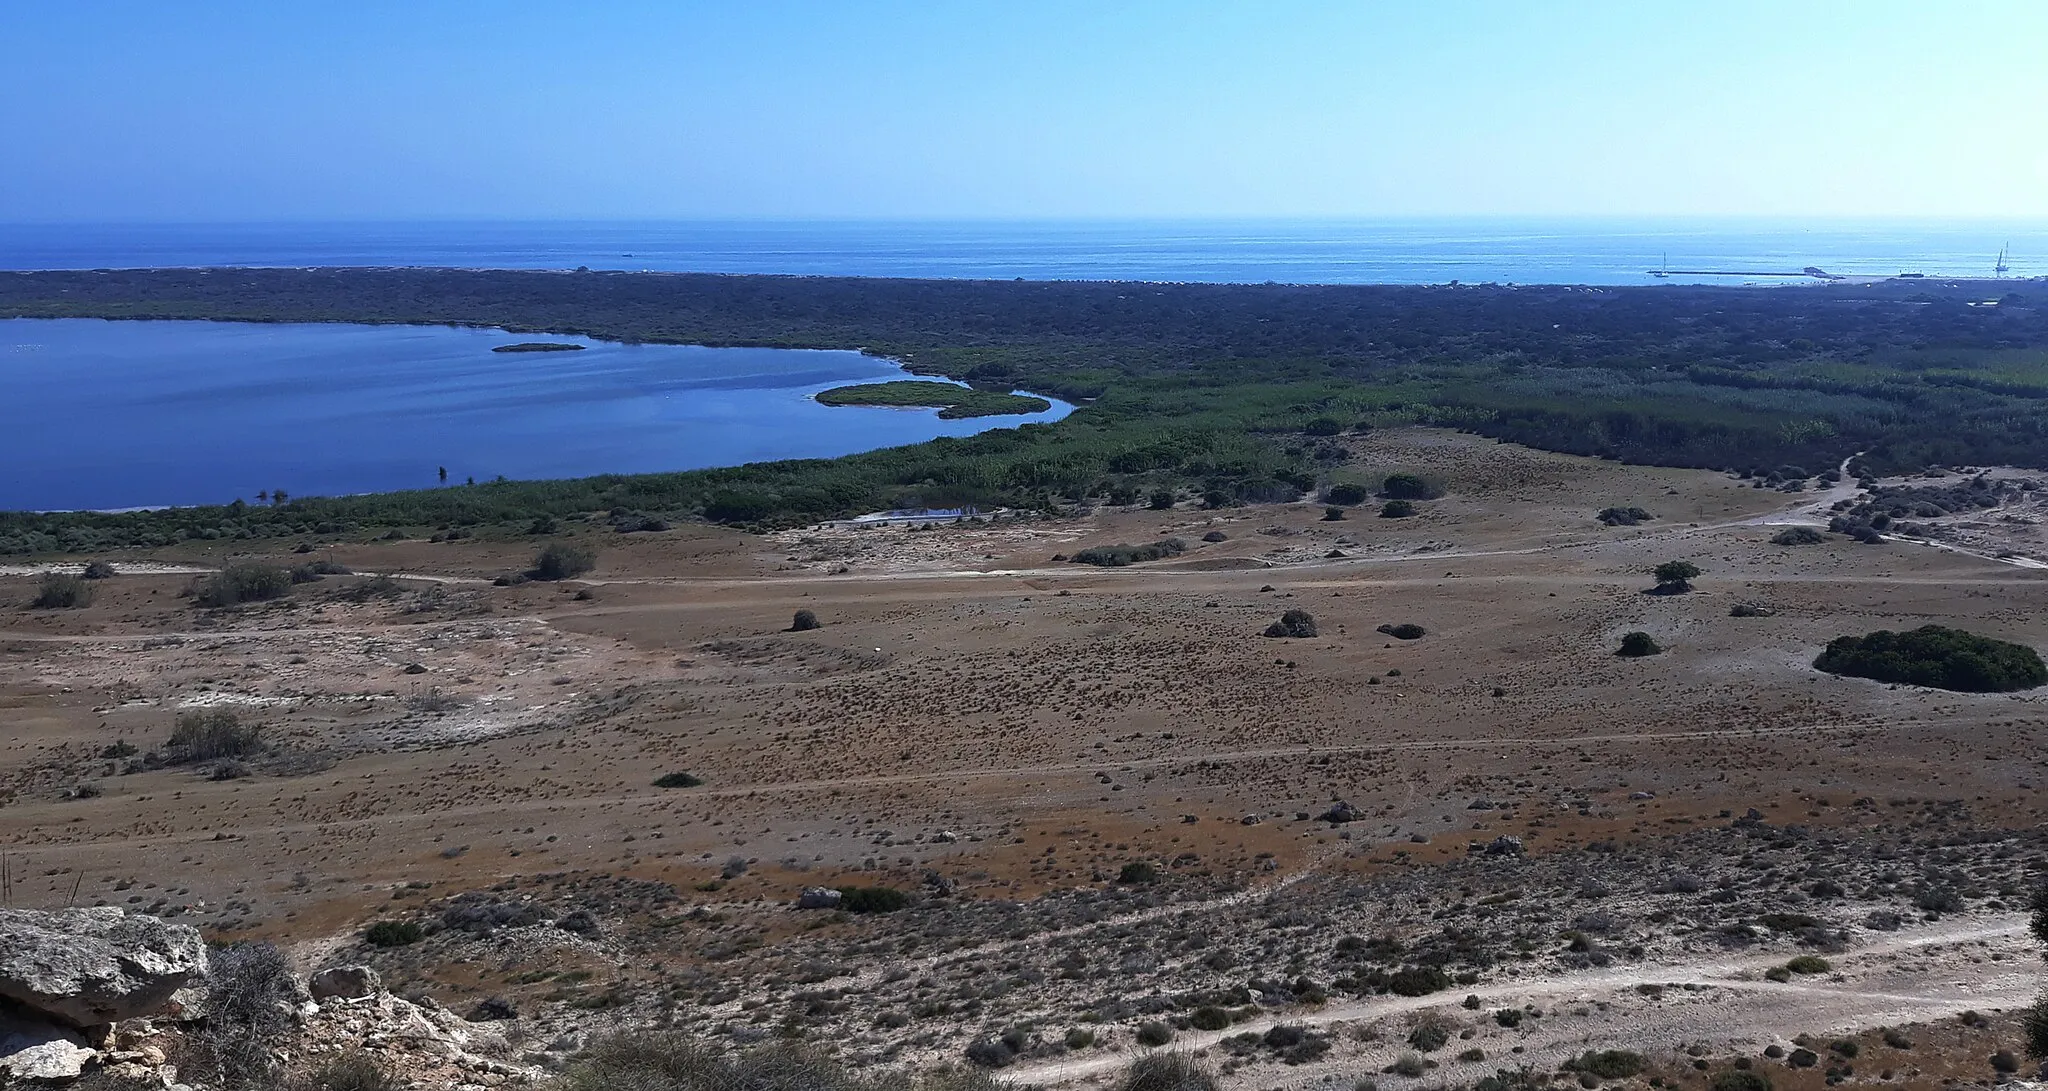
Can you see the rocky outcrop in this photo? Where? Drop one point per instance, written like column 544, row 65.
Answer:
column 344, row 982
column 818, row 897
column 87, row 967
column 34, row 1050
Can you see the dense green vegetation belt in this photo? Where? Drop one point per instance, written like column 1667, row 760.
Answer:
column 952, row 401
column 1225, row 389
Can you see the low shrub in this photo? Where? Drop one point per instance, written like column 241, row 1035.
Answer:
column 1397, row 509
column 1623, row 517
column 1637, row 645
column 1138, row 873
column 1215, row 536
column 1346, row 494
column 803, row 622
column 1418, row 981
column 1739, row 1079
column 1295, row 623
column 872, row 899
column 643, row 1060
column 211, row 734
column 1332, row 515
column 561, row 561
column 393, row 934
column 1407, row 486
column 1209, row 1018
column 1798, row 536
column 1154, row 1034
column 60, row 591
column 1429, row 1037
column 1750, row 609
column 1166, row 1072
column 354, row 1070
column 1809, row 964
column 677, row 780
column 1509, row 1017
column 1609, row 1064
column 1118, row 556
column 241, row 582
column 97, row 570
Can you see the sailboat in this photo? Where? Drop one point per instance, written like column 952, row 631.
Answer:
column 1999, row 269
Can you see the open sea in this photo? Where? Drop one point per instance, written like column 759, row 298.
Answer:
column 1415, row 251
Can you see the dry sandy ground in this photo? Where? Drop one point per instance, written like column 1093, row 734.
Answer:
column 1020, row 725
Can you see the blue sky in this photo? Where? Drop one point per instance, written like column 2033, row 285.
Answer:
column 316, row 110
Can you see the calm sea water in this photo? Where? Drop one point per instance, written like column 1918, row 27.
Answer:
column 128, row 414
column 1326, row 252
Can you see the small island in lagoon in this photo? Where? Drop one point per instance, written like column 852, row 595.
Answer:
column 539, row 346
column 953, row 402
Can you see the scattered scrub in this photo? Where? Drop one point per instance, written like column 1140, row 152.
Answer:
column 1623, row 517
column 1118, row 556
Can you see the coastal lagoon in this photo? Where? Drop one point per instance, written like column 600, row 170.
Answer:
column 138, row 413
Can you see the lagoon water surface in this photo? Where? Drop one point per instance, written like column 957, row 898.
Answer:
column 126, row 414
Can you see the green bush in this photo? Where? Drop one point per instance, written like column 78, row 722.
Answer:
column 1739, row 1079
column 1411, row 487
column 1936, row 657
column 676, row 780
column 1397, row 509
column 1154, row 1034
column 1138, row 873
column 210, row 734
column 98, row 570
column 1675, row 577
column 872, row 899
column 2034, row 1024
column 1624, row 517
column 59, row 591
column 1798, row 536
column 1638, row 644
column 1297, row 623
column 1809, row 964
column 1429, row 1037
column 244, row 581
column 1418, row 981
column 393, row 934
column 1209, row 1018
column 1346, row 494
column 803, row 622
column 1117, row 556
column 1609, row 1064
column 560, row 561
column 1333, row 515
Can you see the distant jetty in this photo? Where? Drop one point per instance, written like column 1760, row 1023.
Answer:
column 539, row 346
column 1813, row 271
